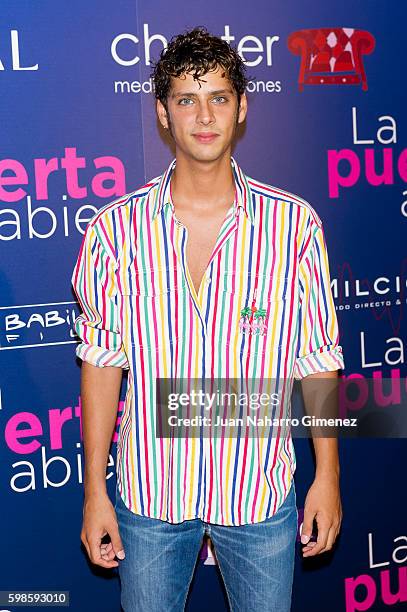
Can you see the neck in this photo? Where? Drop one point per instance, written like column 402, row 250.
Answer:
column 197, row 185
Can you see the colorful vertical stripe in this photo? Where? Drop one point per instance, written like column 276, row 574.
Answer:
column 141, row 312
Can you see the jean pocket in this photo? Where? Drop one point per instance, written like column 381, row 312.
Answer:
column 116, row 495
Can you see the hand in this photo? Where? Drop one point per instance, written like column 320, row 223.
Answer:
column 99, row 519
column 323, row 502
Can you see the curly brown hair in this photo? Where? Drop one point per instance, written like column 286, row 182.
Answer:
column 197, row 52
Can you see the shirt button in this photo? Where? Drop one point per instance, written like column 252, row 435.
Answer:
column 208, row 280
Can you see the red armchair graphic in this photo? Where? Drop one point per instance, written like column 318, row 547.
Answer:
column 331, row 55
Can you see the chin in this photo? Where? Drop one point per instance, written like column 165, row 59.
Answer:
column 208, row 155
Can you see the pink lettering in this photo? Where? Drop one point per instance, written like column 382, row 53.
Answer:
column 394, row 397
column 42, row 169
column 386, row 178
column 388, row 597
column 71, row 163
column 335, row 179
column 13, row 434
column 117, row 176
column 56, row 420
column 114, row 173
column 402, row 165
column 345, row 402
column 20, row 178
column 351, row 584
column 353, row 603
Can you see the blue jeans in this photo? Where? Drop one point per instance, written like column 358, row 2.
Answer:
column 256, row 561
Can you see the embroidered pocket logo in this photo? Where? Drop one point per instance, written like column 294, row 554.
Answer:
column 252, row 320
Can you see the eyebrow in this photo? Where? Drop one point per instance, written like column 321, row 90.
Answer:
column 191, row 94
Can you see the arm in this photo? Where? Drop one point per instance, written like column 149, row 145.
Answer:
column 319, row 356
column 102, row 352
column 323, row 501
column 100, row 389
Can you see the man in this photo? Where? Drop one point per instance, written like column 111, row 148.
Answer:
column 202, row 273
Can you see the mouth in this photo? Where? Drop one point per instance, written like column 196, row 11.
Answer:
column 205, row 137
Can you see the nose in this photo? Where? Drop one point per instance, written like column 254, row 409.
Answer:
column 205, row 114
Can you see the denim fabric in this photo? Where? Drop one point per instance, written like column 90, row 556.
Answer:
column 256, row 560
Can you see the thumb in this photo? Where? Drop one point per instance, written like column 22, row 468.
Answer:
column 306, row 530
column 117, row 544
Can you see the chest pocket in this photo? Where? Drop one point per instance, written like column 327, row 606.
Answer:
column 153, row 282
column 261, row 287
column 152, row 302
column 256, row 331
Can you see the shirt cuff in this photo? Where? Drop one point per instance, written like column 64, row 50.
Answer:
column 102, row 357
column 325, row 359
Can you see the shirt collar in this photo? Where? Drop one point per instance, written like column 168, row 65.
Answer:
column 243, row 198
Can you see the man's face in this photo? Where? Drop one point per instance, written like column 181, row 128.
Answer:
column 202, row 116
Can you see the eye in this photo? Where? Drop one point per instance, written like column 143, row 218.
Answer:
column 184, row 101
column 220, row 99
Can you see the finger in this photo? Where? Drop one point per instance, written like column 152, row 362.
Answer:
column 109, row 554
column 96, row 557
column 330, row 540
column 89, row 551
column 105, row 555
column 323, row 530
column 309, row 546
column 86, row 545
column 117, row 542
column 306, row 530
column 332, row 535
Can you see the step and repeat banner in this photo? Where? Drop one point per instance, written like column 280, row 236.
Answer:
column 326, row 121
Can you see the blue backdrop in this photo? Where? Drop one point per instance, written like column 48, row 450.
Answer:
column 78, row 129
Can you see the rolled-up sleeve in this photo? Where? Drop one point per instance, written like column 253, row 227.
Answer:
column 93, row 280
column 318, row 347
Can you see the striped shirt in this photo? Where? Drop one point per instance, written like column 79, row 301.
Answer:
column 264, row 310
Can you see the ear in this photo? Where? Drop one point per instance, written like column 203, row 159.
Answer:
column 242, row 108
column 162, row 114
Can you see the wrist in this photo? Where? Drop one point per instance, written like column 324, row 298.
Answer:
column 95, row 489
column 328, row 473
